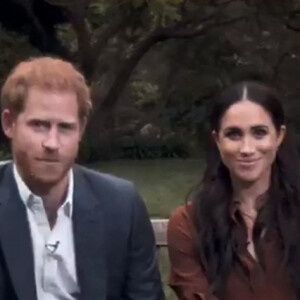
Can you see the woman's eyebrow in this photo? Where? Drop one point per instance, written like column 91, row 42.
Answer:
column 260, row 126
column 232, row 128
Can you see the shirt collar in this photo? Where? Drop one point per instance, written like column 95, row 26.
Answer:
column 25, row 193
column 235, row 206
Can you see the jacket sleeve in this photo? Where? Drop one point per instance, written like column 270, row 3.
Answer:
column 143, row 279
column 186, row 275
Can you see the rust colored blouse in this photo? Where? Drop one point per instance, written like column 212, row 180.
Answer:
column 245, row 282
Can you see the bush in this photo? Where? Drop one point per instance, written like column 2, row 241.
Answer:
column 14, row 48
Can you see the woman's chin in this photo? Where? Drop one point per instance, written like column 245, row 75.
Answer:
column 248, row 177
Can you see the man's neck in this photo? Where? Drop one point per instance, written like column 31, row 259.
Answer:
column 52, row 194
column 53, row 198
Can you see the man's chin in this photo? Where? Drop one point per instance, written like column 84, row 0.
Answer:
column 47, row 178
column 36, row 175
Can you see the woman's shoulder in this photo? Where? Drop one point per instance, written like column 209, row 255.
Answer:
column 182, row 210
column 183, row 217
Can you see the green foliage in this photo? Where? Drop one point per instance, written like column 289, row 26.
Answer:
column 165, row 10
column 63, row 3
column 101, row 7
column 138, row 3
column 297, row 6
column 5, row 154
column 67, row 36
column 160, row 11
column 145, row 93
column 14, row 48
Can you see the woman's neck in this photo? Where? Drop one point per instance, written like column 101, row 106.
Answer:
column 247, row 193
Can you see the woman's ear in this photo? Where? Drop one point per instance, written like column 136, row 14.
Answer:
column 215, row 137
column 281, row 135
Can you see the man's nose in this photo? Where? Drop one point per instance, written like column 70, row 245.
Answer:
column 51, row 140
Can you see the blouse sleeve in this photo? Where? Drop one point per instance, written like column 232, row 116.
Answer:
column 186, row 275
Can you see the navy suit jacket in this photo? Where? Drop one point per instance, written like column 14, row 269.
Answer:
column 114, row 242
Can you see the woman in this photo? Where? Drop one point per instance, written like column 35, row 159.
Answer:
column 238, row 237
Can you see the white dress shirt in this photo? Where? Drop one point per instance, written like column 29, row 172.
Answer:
column 53, row 250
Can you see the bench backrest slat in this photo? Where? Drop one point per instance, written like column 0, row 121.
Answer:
column 160, row 231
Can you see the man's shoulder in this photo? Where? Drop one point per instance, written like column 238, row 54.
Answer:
column 5, row 168
column 99, row 180
column 114, row 193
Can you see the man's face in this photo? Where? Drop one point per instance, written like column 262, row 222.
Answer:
column 45, row 136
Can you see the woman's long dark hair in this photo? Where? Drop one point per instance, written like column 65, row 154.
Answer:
column 216, row 241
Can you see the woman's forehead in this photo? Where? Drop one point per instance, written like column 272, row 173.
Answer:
column 245, row 113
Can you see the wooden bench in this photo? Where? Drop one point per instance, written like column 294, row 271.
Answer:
column 160, row 233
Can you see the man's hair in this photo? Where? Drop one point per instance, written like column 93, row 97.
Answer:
column 45, row 73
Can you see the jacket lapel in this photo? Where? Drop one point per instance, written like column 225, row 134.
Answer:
column 89, row 239
column 15, row 238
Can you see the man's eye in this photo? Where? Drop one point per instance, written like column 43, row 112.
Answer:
column 39, row 124
column 66, row 127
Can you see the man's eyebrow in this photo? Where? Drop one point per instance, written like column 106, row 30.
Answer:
column 70, row 124
column 32, row 120
column 66, row 122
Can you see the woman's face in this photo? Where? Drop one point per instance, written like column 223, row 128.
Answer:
column 248, row 141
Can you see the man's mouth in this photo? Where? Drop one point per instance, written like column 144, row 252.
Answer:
column 48, row 160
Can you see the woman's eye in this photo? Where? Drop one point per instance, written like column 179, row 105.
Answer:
column 233, row 135
column 260, row 132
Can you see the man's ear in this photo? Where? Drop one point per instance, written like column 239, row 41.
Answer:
column 8, row 122
column 83, row 123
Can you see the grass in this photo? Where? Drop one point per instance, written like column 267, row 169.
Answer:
column 163, row 185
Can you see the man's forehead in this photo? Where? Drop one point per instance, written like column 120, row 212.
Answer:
column 41, row 97
column 62, row 106
column 48, row 116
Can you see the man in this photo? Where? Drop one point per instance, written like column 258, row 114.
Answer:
column 66, row 232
